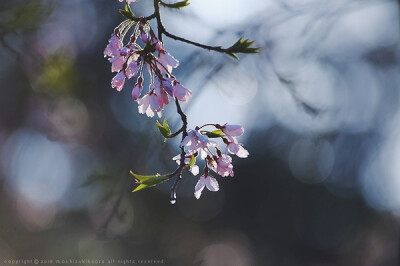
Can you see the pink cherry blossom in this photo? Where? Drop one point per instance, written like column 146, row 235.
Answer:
column 132, row 69
column 166, row 62
column 223, row 165
column 118, row 81
column 143, row 34
column 116, row 52
column 137, row 89
column 197, row 142
column 117, row 63
column 175, row 89
column 232, row 130
column 237, row 148
column 160, row 92
column 114, row 46
column 205, row 181
column 180, row 92
column 149, row 105
column 167, row 85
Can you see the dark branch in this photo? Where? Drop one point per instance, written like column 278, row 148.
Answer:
column 160, row 26
column 208, row 47
column 162, row 30
column 183, row 153
column 173, row 135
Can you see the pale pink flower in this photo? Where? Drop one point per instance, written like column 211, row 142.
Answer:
column 114, row 46
column 205, row 181
column 197, row 142
column 223, row 165
column 132, row 69
column 180, row 92
column 176, row 90
column 232, row 130
column 166, row 62
column 118, row 81
column 194, row 169
column 237, row 148
column 117, row 63
column 143, row 105
column 143, row 34
column 137, row 89
column 167, row 85
column 160, row 92
column 116, row 52
column 149, row 105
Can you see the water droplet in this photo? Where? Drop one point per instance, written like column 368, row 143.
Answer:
column 173, row 197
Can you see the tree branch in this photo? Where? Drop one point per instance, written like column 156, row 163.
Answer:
column 162, row 30
column 183, row 153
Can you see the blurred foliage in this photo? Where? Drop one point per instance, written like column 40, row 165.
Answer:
column 23, row 15
column 58, row 76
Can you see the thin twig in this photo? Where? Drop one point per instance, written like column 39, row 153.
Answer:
column 173, row 135
column 162, row 30
column 183, row 153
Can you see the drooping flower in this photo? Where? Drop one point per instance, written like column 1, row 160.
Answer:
column 162, row 95
column 208, row 181
column 118, row 81
column 223, row 165
column 197, row 142
column 180, row 92
column 132, row 69
column 137, row 89
column 166, row 62
column 176, row 90
column 237, row 148
column 116, row 52
column 149, row 105
column 114, row 46
column 232, row 131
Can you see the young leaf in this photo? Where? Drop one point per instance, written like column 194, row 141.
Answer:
column 164, row 128
column 146, row 181
column 242, row 46
column 127, row 12
column 176, row 5
column 213, row 134
column 192, row 161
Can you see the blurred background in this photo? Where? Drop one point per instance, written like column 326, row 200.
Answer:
column 320, row 105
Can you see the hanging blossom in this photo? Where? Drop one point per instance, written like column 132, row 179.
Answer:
column 198, row 144
column 145, row 52
column 129, row 61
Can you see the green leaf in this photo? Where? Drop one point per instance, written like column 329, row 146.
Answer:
column 127, row 13
column 242, row 46
column 146, row 181
column 128, row 8
column 192, row 161
column 164, row 128
column 176, row 5
column 213, row 134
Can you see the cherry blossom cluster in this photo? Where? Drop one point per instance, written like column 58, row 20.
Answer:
column 129, row 60
column 145, row 51
column 199, row 145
